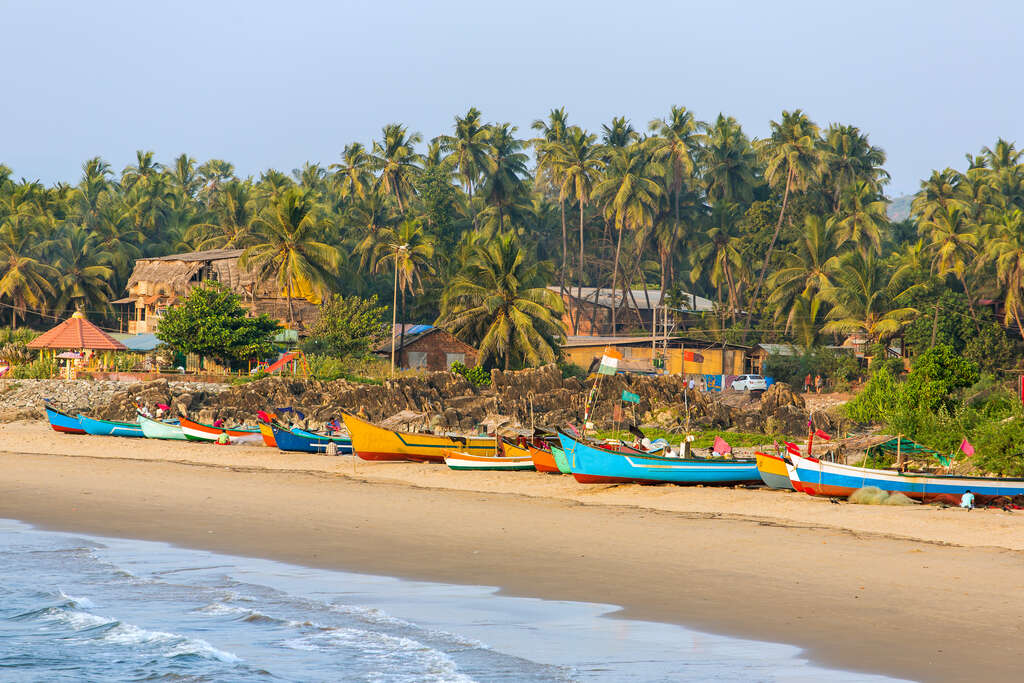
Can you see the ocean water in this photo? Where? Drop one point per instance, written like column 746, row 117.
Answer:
column 84, row 608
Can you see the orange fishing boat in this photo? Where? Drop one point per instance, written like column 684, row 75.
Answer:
column 544, row 460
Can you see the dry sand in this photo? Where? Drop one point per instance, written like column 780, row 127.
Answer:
column 921, row 592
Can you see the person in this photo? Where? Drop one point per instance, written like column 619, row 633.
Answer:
column 332, row 448
column 703, row 383
column 817, row 384
column 692, row 384
column 223, row 439
column 807, row 383
column 144, row 411
column 967, row 500
column 219, row 422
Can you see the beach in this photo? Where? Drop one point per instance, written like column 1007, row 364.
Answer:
column 922, row 593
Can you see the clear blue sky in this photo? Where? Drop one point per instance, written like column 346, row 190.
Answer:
column 273, row 84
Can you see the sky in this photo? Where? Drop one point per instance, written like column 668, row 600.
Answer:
column 275, row 84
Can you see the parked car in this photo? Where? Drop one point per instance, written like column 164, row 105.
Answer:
column 749, row 383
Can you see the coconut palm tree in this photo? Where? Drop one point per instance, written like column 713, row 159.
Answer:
column 719, row 255
column 862, row 217
column 469, row 147
column 792, row 163
column 579, row 159
column 233, row 210
column 144, row 169
column 728, row 162
column 941, row 191
column 287, row 248
column 1006, row 250
column 954, row 245
column 549, row 170
column 630, row 195
column 851, row 159
column 84, row 280
column 500, row 303
column 676, row 145
column 806, row 270
column 619, row 134
column 353, row 177
column 864, row 300
column 407, row 251
column 26, row 281
column 503, row 185
column 397, row 162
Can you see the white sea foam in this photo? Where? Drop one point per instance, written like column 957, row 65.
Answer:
column 84, row 603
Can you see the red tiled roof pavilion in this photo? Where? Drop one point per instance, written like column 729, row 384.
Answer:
column 76, row 333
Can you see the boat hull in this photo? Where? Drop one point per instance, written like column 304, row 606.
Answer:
column 544, row 461
column 111, row 427
column 62, row 422
column 197, row 431
column 154, row 429
column 371, row 442
column 268, row 435
column 592, row 465
column 457, row 460
column 773, row 471
column 561, row 462
column 289, row 441
column 821, row 478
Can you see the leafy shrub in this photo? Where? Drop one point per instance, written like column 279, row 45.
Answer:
column 476, row 375
column 43, row 367
column 347, row 327
column 572, row 370
column 20, row 336
column 16, row 353
column 825, row 362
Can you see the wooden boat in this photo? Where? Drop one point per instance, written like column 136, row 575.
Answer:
column 543, row 460
column 110, row 427
column 560, row 460
column 267, row 432
column 371, row 442
column 591, row 465
column 62, row 422
column 823, row 478
column 197, row 431
column 154, row 429
column 340, row 438
column 458, row 460
column 287, row 440
column 773, row 471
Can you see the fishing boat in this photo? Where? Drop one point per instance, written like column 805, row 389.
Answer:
column 340, row 438
column 560, row 460
column 824, row 478
column 773, row 471
column 62, row 422
column 371, row 442
column 267, row 432
column 458, row 460
column 288, row 440
column 543, row 461
column 110, row 427
column 197, row 431
column 591, row 465
column 154, row 429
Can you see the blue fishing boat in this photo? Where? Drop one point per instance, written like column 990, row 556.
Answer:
column 316, row 435
column 110, row 427
column 592, row 465
column 289, row 440
column 62, row 422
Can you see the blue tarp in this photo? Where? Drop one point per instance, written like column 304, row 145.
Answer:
column 138, row 342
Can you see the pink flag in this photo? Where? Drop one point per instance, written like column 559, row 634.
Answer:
column 721, row 446
column 792, row 448
column 966, row 447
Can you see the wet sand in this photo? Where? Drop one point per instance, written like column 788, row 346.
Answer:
column 921, row 593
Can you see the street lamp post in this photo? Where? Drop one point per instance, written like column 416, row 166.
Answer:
column 394, row 305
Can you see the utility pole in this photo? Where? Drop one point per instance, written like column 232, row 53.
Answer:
column 394, row 306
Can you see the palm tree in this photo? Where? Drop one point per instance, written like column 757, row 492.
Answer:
column 353, row 176
column 580, row 162
column 215, row 172
column 396, row 159
column 862, row 217
column 500, row 303
column 549, row 170
column 85, row 275
column 184, row 176
column 954, row 244
column 864, row 300
column 941, row 191
column 677, row 144
column 25, row 279
column 232, row 208
column 369, row 218
column 287, row 248
column 619, row 134
column 506, row 167
column 851, row 159
column 409, row 252
column 728, row 162
column 144, row 169
column 806, row 270
column 720, row 254
column 1006, row 250
column 630, row 195
column 469, row 147
column 792, row 163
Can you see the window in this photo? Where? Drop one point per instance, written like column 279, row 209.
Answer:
column 450, row 358
column 417, row 359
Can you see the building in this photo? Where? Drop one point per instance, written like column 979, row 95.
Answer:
column 760, row 353
column 426, row 347
column 675, row 356
column 635, row 308
column 158, row 283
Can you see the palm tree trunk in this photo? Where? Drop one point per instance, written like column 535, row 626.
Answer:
column 579, row 275
column 615, row 273
column 565, row 256
column 970, row 304
column 401, row 333
column 771, row 247
column 288, row 295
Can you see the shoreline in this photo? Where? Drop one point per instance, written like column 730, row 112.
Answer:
column 912, row 608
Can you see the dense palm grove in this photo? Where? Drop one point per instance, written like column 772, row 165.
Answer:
column 789, row 234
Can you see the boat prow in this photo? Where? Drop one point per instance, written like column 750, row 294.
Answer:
column 371, row 442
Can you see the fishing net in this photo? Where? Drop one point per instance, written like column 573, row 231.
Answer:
column 872, row 495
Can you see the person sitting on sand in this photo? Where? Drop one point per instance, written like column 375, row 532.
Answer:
column 967, row 500
column 219, row 422
column 223, row 439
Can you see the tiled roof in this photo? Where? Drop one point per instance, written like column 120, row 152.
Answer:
column 76, row 333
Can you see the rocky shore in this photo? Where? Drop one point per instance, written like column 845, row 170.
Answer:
column 526, row 398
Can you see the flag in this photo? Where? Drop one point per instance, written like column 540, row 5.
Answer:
column 264, row 415
column 966, row 447
column 821, row 435
column 630, row 397
column 693, row 357
column 569, row 427
column 609, row 362
column 792, row 448
column 722, row 446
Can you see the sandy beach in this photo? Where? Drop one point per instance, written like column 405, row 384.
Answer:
column 922, row 593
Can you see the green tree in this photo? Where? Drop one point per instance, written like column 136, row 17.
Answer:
column 806, row 271
column 469, row 147
column 211, row 322
column 728, row 162
column 500, row 303
column 347, row 326
column 398, row 163
column 84, row 280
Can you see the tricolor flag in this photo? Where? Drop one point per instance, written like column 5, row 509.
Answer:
column 722, row 446
column 609, row 362
column 966, row 447
column 821, row 435
column 792, row 448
